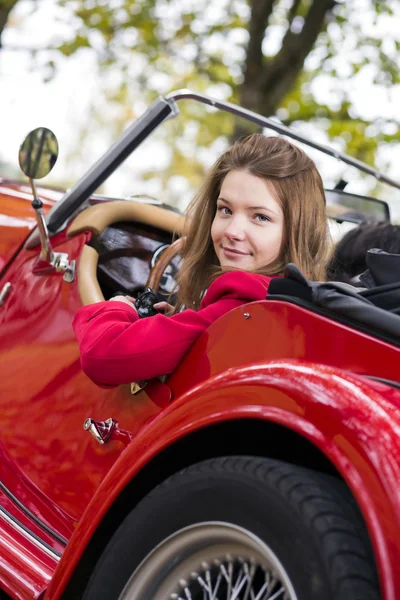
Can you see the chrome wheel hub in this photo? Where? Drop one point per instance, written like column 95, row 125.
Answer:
column 210, row 561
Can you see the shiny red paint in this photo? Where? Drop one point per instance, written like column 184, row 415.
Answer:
column 25, row 569
column 45, row 399
column 22, row 517
column 275, row 330
column 32, row 498
column 270, row 361
column 17, row 218
column 340, row 415
column 40, row 368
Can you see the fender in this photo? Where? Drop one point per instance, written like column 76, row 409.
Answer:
column 353, row 421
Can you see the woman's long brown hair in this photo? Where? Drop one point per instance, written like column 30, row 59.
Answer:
column 298, row 188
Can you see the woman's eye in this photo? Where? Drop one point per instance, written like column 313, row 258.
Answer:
column 261, row 217
column 224, row 210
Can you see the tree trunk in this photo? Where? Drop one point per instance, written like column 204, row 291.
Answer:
column 5, row 9
column 268, row 80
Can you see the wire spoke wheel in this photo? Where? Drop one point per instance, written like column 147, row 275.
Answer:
column 210, row 561
column 240, row 528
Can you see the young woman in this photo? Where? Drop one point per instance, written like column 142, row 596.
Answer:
column 261, row 206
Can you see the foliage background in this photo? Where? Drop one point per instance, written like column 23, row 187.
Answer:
column 326, row 67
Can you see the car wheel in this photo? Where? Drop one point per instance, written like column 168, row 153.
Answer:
column 240, row 528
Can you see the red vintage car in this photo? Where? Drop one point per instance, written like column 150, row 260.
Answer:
column 266, row 467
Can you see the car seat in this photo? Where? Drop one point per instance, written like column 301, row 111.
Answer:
column 374, row 310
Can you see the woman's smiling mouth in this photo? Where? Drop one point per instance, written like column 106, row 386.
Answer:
column 231, row 252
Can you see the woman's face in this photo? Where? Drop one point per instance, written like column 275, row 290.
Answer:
column 247, row 230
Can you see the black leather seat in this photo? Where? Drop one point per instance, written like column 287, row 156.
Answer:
column 382, row 280
column 362, row 310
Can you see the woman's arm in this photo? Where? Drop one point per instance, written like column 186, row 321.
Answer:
column 117, row 347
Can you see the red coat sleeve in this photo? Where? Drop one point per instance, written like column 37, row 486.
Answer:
column 117, row 347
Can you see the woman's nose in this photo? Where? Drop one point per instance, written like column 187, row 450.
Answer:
column 235, row 231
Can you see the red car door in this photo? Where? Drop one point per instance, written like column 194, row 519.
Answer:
column 45, row 397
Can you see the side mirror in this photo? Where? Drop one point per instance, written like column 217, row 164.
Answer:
column 38, row 153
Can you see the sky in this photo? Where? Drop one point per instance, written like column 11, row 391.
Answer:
column 64, row 103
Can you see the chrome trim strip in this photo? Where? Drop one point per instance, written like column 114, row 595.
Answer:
column 389, row 382
column 139, row 130
column 30, row 514
column 4, row 292
column 29, row 535
column 162, row 109
column 279, row 128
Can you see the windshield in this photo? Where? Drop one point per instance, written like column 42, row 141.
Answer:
column 171, row 164
column 166, row 160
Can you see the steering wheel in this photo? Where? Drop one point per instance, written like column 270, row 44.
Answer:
column 162, row 263
column 96, row 218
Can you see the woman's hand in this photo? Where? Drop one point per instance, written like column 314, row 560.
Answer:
column 164, row 307
column 125, row 299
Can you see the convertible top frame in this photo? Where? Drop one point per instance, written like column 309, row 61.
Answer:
column 164, row 108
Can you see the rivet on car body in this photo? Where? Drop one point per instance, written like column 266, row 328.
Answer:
column 246, row 315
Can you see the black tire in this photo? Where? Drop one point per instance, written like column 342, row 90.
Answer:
column 308, row 520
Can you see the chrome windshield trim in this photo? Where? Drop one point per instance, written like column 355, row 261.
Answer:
column 137, row 132
column 162, row 109
column 279, row 128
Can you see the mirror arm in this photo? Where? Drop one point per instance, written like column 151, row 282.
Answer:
column 46, row 253
column 48, row 260
column 37, row 156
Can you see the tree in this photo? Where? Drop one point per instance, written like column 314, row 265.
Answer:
column 264, row 54
column 268, row 80
column 271, row 56
column 5, row 8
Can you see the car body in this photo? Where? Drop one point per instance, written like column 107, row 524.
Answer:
column 275, row 378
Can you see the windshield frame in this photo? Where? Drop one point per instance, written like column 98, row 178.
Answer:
column 164, row 108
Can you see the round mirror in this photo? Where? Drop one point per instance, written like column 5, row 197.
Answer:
column 38, row 153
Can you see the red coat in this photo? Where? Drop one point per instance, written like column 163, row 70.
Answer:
column 118, row 347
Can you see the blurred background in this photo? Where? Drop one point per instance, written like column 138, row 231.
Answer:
column 87, row 68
